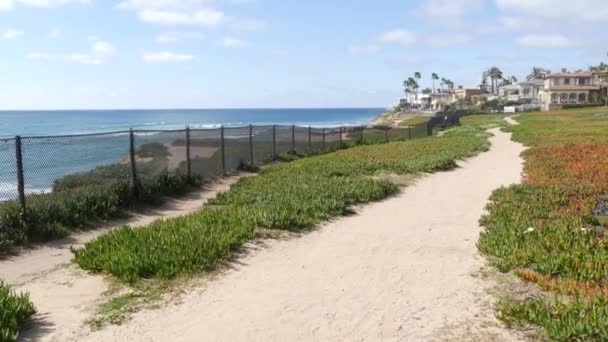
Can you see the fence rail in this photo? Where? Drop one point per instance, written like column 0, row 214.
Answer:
column 35, row 168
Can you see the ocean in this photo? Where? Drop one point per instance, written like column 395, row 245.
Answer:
column 28, row 123
column 47, row 159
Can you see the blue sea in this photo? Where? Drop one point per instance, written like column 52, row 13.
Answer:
column 28, row 123
column 47, row 159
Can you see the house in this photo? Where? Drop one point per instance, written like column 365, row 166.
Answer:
column 510, row 92
column 439, row 100
column 466, row 94
column 529, row 92
column 567, row 88
column 532, row 91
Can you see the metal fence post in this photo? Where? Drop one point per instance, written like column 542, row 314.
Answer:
column 134, row 180
column 223, row 148
column 323, row 139
column 251, row 145
column 361, row 135
column 274, row 142
column 293, row 139
column 309, row 139
column 188, row 158
column 20, row 178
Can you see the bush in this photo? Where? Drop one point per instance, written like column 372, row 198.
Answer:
column 575, row 106
column 57, row 214
column 167, row 248
column 14, row 310
column 545, row 230
column 291, row 196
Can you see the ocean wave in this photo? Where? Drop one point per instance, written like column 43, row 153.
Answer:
column 9, row 191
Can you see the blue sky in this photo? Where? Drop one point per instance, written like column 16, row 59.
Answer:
column 84, row 54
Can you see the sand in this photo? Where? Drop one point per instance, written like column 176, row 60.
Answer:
column 65, row 295
column 404, row 269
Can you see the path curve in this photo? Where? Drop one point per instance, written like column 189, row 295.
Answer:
column 401, row 269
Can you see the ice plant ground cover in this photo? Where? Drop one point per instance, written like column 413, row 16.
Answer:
column 290, row 196
column 14, row 309
column 549, row 229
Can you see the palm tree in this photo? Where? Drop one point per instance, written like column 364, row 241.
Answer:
column 413, row 85
column 495, row 75
column 406, row 90
column 443, row 83
column 417, row 77
column 426, row 91
column 537, row 73
column 434, row 77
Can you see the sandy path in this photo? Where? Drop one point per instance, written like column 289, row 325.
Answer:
column 402, row 269
column 64, row 294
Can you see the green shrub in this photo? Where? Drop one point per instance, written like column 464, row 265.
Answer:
column 575, row 106
column 58, row 213
column 167, row 248
column 576, row 320
column 291, row 196
column 14, row 310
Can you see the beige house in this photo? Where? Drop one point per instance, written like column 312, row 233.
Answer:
column 466, row 94
column 441, row 99
column 571, row 88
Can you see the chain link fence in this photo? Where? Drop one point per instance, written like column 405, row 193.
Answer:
column 48, row 183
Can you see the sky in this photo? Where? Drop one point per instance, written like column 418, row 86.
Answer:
column 120, row 54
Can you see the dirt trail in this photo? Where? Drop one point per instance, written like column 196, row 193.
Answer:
column 62, row 293
column 402, row 269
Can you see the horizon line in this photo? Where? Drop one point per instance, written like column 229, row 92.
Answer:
column 184, row 109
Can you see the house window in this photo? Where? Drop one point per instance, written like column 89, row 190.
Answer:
column 572, row 98
column 526, row 91
column 554, row 98
column 582, row 98
column 566, row 81
column 556, row 81
column 563, row 98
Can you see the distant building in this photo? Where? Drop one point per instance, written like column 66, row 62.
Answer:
column 440, row 99
column 529, row 92
column 571, row 88
column 466, row 94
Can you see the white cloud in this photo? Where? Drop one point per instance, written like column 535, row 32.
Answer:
column 101, row 48
column 447, row 39
column 42, row 56
column 248, row 24
column 582, row 10
column 176, row 36
column 10, row 34
column 448, row 8
column 364, row 49
column 54, row 33
column 99, row 52
column 7, row 5
column 202, row 17
column 166, row 57
column 197, row 13
column 401, row 37
column 546, row 41
column 230, row 42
